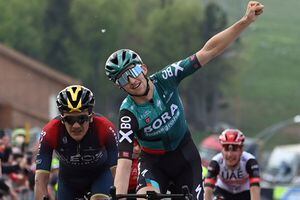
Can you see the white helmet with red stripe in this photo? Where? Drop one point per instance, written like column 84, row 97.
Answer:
column 232, row 136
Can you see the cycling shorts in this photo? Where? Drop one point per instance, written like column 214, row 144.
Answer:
column 180, row 167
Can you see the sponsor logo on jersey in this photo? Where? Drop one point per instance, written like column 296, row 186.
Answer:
column 144, row 114
column 169, row 97
column 198, row 191
column 254, row 167
column 113, row 132
column 42, row 135
column 164, row 122
column 172, row 70
column 144, row 172
column 147, row 120
column 125, row 129
column 124, row 154
column 39, row 161
column 236, row 176
column 65, row 140
column 82, row 159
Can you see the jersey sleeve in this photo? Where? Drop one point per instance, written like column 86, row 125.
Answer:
column 252, row 169
column 177, row 71
column 128, row 125
column 47, row 143
column 110, row 142
column 213, row 171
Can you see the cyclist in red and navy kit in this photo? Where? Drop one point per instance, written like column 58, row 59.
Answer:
column 233, row 174
column 84, row 143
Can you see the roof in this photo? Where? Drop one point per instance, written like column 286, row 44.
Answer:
column 36, row 66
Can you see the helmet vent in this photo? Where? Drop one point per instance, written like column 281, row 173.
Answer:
column 115, row 60
column 86, row 97
column 123, row 55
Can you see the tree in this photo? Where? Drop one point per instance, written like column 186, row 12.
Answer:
column 205, row 96
column 58, row 33
column 177, row 30
column 21, row 26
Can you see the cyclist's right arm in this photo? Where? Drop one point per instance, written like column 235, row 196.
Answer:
column 128, row 125
column 122, row 175
column 44, row 157
column 208, row 193
column 210, row 180
column 41, row 183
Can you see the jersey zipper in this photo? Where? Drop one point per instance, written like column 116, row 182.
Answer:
column 78, row 149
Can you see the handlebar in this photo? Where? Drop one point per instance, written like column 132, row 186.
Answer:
column 152, row 195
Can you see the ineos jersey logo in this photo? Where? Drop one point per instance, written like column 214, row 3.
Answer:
column 82, row 159
column 42, row 135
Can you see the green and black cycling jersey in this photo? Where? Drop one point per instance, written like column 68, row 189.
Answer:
column 159, row 125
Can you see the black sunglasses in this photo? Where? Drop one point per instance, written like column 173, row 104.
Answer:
column 231, row 147
column 80, row 119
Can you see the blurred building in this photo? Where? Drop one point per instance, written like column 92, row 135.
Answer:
column 28, row 90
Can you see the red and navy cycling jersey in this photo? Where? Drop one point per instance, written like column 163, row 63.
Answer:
column 96, row 150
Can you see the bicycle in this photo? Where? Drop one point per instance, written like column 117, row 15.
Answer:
column 152, row 195
column 86, row 196
column 218, row 197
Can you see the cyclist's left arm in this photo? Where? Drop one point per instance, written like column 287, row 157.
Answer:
column 110, row 144
column 255, row 192
column 208, row 193
column 210, row 179
column 47, row 142
column 218, row 43
column 41, row 183
column 254, row 178
column 174, row 73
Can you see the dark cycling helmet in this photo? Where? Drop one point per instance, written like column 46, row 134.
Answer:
column 119, row 60
column 232, row 136
column 75, row 98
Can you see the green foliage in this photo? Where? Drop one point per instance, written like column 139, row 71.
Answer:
column 172, row 32
column 266, row 88
column 58, row 32
column 102, row 26
column 262, row 89
column 21, row 25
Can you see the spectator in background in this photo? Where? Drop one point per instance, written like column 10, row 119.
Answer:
column 11, row 169
column 5, row 147
column 18, row 139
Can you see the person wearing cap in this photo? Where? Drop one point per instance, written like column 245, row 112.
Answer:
column 84, row 143
column 233, row 174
